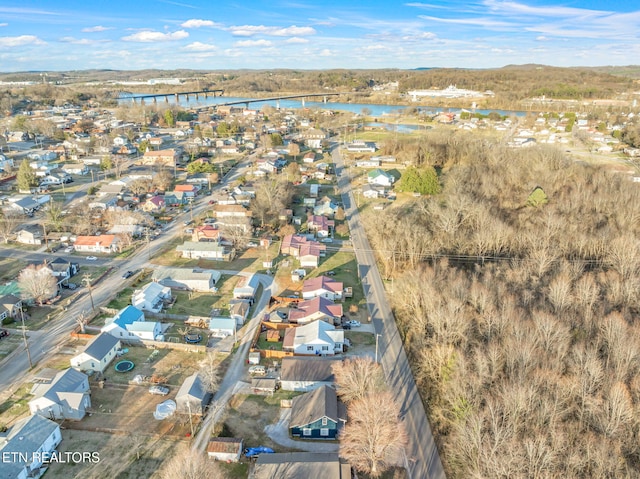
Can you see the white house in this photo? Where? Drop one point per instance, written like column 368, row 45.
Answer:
column 96, row 244
column 191, row 279
column 151, row 297
column 317, row 338
column 246, row 287
column 221, row 327
column 380, row 177
column 98, row 354
column 75, row 169
column 322, row 286
column 203, row 249
column 146, row 330
column 239, row 310
column 30, row 441
column 306, row 374
column 117, row 326
column 67, row 396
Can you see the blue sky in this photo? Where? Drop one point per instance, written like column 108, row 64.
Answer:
column 304, row 34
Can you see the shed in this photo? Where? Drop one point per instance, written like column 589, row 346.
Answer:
column 225, row 449
column 254, row 358
column 263, row 385
column 273, row 336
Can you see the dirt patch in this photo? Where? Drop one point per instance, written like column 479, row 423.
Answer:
column 129, row 410
column 247, row 417
column 121, row 456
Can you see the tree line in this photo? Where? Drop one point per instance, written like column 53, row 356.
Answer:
column 521, row 321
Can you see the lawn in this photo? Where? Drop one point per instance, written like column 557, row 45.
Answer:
column 10, row 343
column 264, row 344
column 10, row 268
column 172, row 364
column 15, row 406
column 121, row 456
column 122, row 299
column 192, row 303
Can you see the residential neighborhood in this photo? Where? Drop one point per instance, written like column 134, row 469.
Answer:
column 217, row 278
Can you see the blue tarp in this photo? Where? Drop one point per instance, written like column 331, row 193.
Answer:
column 254, row 451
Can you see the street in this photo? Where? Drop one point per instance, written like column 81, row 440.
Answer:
column 422, row 459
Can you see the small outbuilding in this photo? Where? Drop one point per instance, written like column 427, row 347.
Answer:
column 227, row 449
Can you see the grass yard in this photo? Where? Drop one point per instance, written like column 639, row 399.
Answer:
column 172, row 364
column 10, row 343
column 191, row 303
column 10, row 268
column 264, row 344
column 247, row 416
column 122, row 299
column 15, row 406
column 121, row 456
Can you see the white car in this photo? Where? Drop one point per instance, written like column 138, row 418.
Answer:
column 91, row 258
column 353, row 323
column 326, row 240
column 68, row 249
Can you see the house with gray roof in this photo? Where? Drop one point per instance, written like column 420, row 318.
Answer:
column 67, row 396
column 191, row 279
column 306, row 374
column 300, row 465
column 192, row 397
column 20, row 443
column 206, row 250
column 98, row 354
column 314, row 415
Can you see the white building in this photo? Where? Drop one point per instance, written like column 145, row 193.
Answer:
column 151, row 297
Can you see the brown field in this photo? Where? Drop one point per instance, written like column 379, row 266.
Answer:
column 121, row 456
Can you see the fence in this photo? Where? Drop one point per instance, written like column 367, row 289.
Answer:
column 191, row 348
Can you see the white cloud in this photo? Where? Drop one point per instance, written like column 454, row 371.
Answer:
column 4, row 24
column 200, row 47
column 294, row 40
column 479, row 21
column 20, row 41
column 197, row 23
column 148, row 36
column 253, row 43
column 326, row 53
column 76, row 41
column 250, row 30
column 97, row 28
column 419, row 36
column 541, row 38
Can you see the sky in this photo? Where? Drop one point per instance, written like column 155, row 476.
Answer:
column 315, row 34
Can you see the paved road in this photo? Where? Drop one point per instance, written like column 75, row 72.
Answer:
column 15, row 370
column 236, row 370
column 422, row 458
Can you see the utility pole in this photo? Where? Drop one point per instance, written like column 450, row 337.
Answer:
column 44, row 231
column 86, row 279
column 377, row 336
column 24, row 338
column 146, row 231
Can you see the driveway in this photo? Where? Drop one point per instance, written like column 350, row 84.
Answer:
column 279, row 433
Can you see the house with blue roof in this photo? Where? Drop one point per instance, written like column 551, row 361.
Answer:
column 117, row 326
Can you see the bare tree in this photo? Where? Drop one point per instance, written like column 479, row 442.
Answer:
column 210, row 371
column 82, row 320
column 191, row 464
column 373, row 438
column 37, row 283
column 237, row 230
column 357, row 377
column 9, row 220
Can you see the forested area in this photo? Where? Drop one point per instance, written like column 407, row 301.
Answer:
column 520, row 320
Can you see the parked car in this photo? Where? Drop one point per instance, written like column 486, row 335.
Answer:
column 91, row 258
column 252, row 244
column 346, row 326
column 3, row 333
column 257, row 370
column 353, row 323
column 330, row 273
column 159, row 390
column 128, row 274
column 68, row 249
column 188, row 222
column 326, row 240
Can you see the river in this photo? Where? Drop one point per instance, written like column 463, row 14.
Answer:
column 370, row 109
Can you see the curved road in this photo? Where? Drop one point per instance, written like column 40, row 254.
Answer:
column 421, row 454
